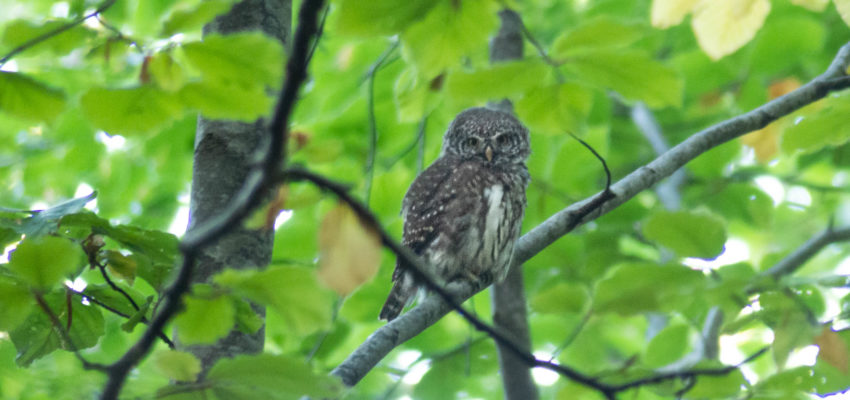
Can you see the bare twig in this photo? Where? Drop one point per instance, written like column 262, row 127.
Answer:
column 798, row 257
column 47, row 35
column 373, row 123
column 239, row 208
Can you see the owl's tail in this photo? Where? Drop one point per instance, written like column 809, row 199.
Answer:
column 401, row 294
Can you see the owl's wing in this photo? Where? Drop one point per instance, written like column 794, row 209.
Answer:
column 421, row 207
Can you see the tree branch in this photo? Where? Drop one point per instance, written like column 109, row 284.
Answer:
column 433, row 308
column 47, row 35
column 242, row 204
column 65, row 335
column 644, row 177
column 798, row 257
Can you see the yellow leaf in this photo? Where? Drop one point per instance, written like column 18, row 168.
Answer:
column 724, row 26
column 814, row 5
column 667, row 13
column 843, row 7
column 349, row 251
column 765, row 141
column 833, row 350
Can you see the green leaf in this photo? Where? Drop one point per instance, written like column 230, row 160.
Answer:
column 121, row 265
column 819, row 129
column 177, row 365
column 21, row 31
column 183, row 20
column 380, row 17
column 498, row 81
column 205, row 320
column 564, row 297
column 636, row 288
column 15, row 303
column 138, row 316
column 719, row 386
column 414, row 96
column 130, row 111
column 267, row 376
column 688, row 234
column 599, row 33
column 247, row 319
column 26, row 98
column 44, row 221
column 224, row 100
column 631, row 73
column 166, row 72
column 103, row 293
column 250, row 58
column 37, row 337
column 449, row 31
column 293, row 292
column 669, row 345
column 555, row 109
column 45, row 261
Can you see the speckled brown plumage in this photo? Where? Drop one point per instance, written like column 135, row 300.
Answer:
column 463, row 214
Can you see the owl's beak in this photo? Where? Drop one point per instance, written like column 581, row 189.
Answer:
column 488, row 152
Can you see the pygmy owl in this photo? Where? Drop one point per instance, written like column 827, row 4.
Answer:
column 463, row 214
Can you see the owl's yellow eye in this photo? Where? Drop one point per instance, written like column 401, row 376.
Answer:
column 471, row 141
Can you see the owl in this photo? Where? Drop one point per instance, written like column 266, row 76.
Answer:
column 463, row 214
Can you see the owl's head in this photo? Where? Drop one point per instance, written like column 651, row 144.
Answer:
column 489, row 135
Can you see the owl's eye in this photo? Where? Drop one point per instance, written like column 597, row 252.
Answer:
column 502, row 140
column 471, row 142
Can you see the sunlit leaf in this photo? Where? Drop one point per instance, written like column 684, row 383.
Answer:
column 249, row 58
column 166, row 72
column 267, row 376
column 449, row 31
column 632, row 74
column 27, row 98
column 667, row 13
column 380, row 17
column 195, row 17
column 719, row 386
column 130, row 111
column 223, row 100
column 669, row 345
column 843, row 7
column 555, row 109
column 561, row 298
column 724, row 26
column 501, row 80
column 19, row 32
column 349, row 250
column 814, row 5
column 821, row 128
column 205, row 320
column 16, row 301
column 177, row 365
column 414, row 96
column 45, row 261
column 122, row 265
column 293, row 292
column 634, row 288
column 688, row 234
column 597, row 34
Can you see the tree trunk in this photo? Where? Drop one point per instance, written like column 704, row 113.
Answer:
column 223, row 154
column 509, row 312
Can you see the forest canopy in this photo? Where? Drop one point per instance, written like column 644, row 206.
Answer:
column 714, row 267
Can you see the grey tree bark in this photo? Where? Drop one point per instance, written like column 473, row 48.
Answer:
column 509, row 304
column 224, row 152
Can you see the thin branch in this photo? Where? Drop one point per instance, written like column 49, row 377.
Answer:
column 65, row 335
column 420, row 132
column 107, row 307
column 247, row 198
column 47, row 35
column 373, row 123
column 798, row 257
